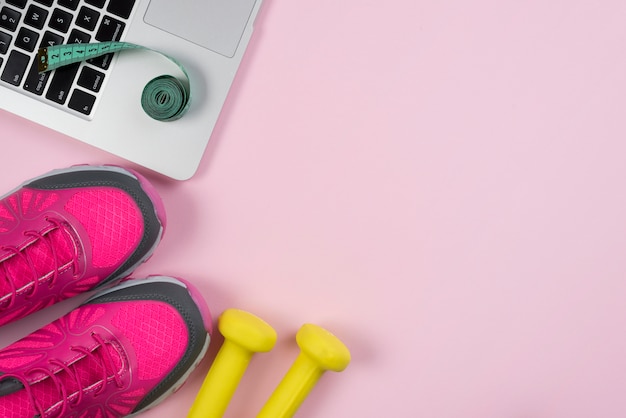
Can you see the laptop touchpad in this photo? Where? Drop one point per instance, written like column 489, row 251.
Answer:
column 214, row 24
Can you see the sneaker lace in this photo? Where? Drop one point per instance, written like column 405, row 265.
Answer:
column 23, row 254
column 102, row 357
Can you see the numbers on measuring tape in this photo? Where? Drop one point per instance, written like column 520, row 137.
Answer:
column 53, row 57
column 164, row 98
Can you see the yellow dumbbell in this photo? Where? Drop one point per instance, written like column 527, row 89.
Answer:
column 244, row 334
column 319, row 351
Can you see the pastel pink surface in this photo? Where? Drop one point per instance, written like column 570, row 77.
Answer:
column 440, row 184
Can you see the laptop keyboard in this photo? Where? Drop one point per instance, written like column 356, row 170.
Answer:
column 27, row 25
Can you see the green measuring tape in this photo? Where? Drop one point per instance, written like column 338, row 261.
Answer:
column 164, row 98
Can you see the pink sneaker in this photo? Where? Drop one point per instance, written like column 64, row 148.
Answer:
column 122, row 352
column 72, row 230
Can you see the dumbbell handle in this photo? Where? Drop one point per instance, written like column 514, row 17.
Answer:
column 292, row 390
column 320, row 351
column 244, row 335
column 221, row 381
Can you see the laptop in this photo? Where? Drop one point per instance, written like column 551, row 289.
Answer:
column 98, row 101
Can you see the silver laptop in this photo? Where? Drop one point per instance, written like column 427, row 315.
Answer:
column 99, row 101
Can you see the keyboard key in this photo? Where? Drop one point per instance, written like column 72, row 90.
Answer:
column 103, row 61
column 70, row 4
column 78, row 37
column 61, row 82
column 35, row 81
column 18, row 3
column 90, row 79
column 82, row 102
column 5, row 41
column 28, row 24
column 97, row 3
column 110, row 29
column 87, row 18
column 15, row 68
column 51, row 39
column 27, row 39
column 9, row 18
column 121, row 8
column 60, row 20
column 36, row 16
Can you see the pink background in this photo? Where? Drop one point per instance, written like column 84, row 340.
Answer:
column 440, row 184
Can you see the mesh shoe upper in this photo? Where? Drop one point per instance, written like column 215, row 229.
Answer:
column 71, row 230
column 118, row 354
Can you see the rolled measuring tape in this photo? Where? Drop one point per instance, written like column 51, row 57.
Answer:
column 164, row 98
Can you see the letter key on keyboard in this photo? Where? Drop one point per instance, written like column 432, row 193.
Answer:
column 26, row 25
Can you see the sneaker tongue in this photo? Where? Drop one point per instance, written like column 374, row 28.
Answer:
column 87, row 371
column 90, row 370
column 37, row 257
